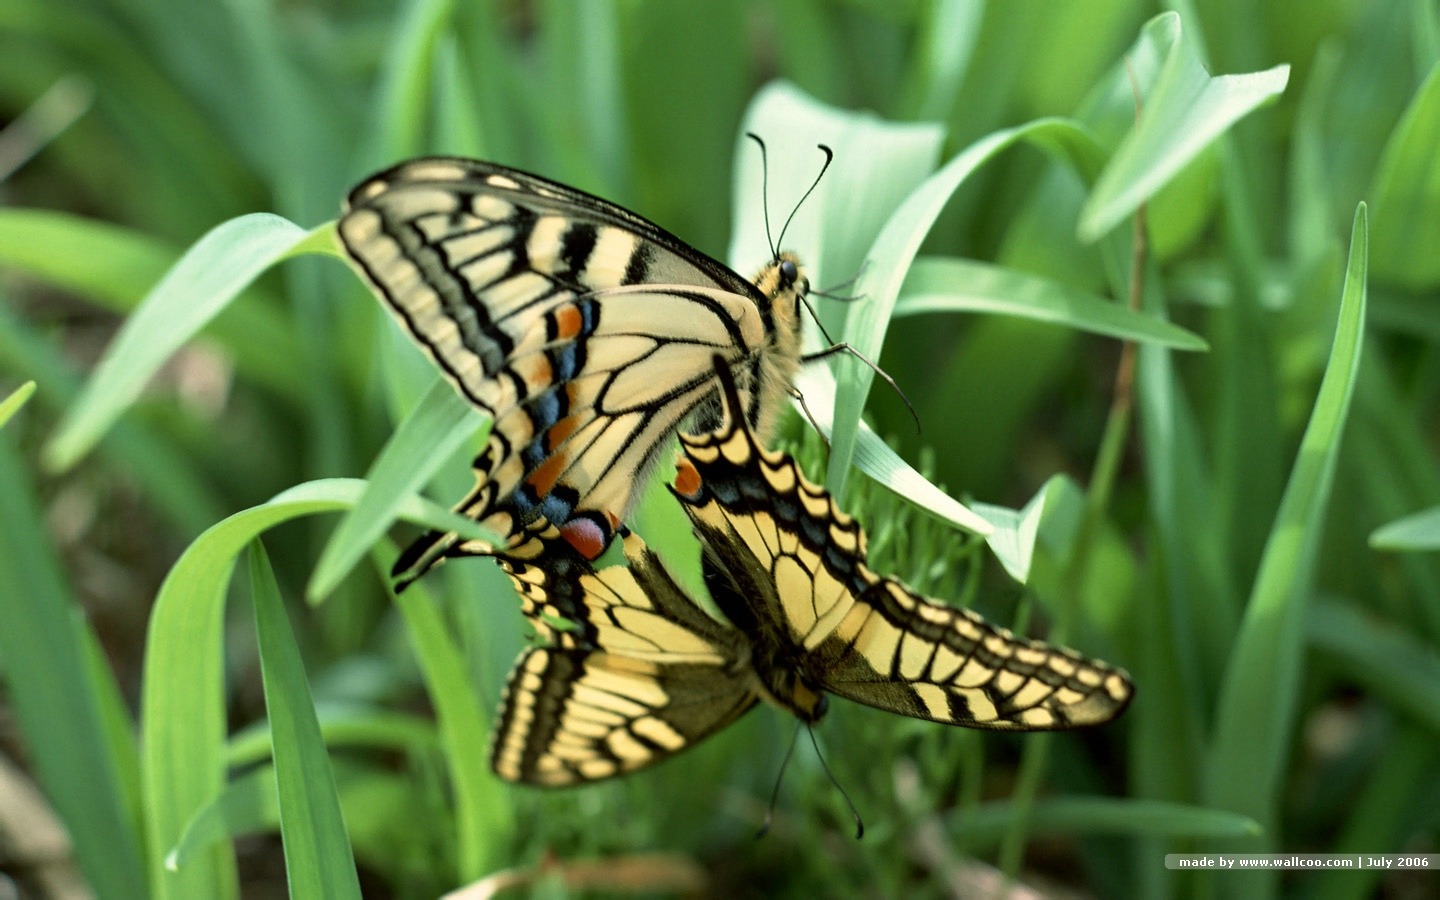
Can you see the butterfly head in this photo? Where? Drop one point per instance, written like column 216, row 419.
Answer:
column 785, row 286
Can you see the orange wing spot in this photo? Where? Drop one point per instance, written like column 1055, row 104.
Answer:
column 538, row 374
column 546, row 474
column 560, row 431
column 567, row 321
column 687, row 478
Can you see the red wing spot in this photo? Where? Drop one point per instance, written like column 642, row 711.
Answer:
column 586, row 536
column 567, row 322
column 543, row 479
column 560, row 431
column 687, row 479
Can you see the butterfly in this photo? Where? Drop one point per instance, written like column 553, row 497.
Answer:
column 582, row 329
column 631, row 670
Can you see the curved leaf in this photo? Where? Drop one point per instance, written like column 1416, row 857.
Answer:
column 1186, row 110
column 206, row 278
column 11, row 404
column 318, row 860
column 947, row 284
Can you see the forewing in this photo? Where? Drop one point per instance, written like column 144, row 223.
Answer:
column 583, row 330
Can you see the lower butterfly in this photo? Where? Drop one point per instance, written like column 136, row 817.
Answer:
column 630, row 670
column 583, row 330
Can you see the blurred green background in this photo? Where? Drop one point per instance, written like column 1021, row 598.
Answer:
column 1212, row 532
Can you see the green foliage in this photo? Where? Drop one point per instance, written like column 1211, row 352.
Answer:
column 1248, row 526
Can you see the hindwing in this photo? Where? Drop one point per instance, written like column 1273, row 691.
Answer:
column 812, row 603
column 640, row 674
column 583, row 330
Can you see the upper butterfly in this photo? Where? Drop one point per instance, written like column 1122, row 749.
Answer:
column 585, row 332
column 641, row 671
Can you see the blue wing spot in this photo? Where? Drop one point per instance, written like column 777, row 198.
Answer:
column 566, row 361
column 546, row 409
column 556, row 509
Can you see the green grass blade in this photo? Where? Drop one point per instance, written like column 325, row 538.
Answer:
column 1417, row 531
column 210, row 274
column 1013, row 540
column 985, row 825
column 1186, row 110
column 858, row 192
column 948, row 284
column 173, row 482
column 183, row 703
column 318, row 860
column 11, row 404
column 1406, row 192
column 405, row 79
column 45, row 659
column 1389, row 809
column 875, row 458
column 248, row 804
column 1260, row 689
column 1386, row 660
column 483, row 816
column 115, row 267
column 890, row 257
column 367, row 727
column 437, row 427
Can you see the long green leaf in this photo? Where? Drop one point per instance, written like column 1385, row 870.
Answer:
column 438, row 426
column 1417, row 531
column 949, row 284
column 1261, row 687
column 318, row 861
column 1407, row 194
column 482, row 815
column 1074, row 816
column 205, row 279
column 1386, row 660
column 183, row 705
column 60, row 710
column 115, row 267
column 11, row 404
column 890, row 256
column 1187, row 109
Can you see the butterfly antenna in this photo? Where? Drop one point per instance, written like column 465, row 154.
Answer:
column 765, row 193
column 829, row 156
column 775, row 794
column 859, row 825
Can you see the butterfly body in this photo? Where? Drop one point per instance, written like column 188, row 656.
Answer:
column 642, row 671
column 584, row 330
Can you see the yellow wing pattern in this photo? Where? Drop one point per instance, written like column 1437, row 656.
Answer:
column 808, row 602
column 638, row 671
column 585, row 331
column 640, row 674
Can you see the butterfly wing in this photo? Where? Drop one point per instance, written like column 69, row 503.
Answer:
column 632, row 673
column 787, row 546
column 584, row 331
